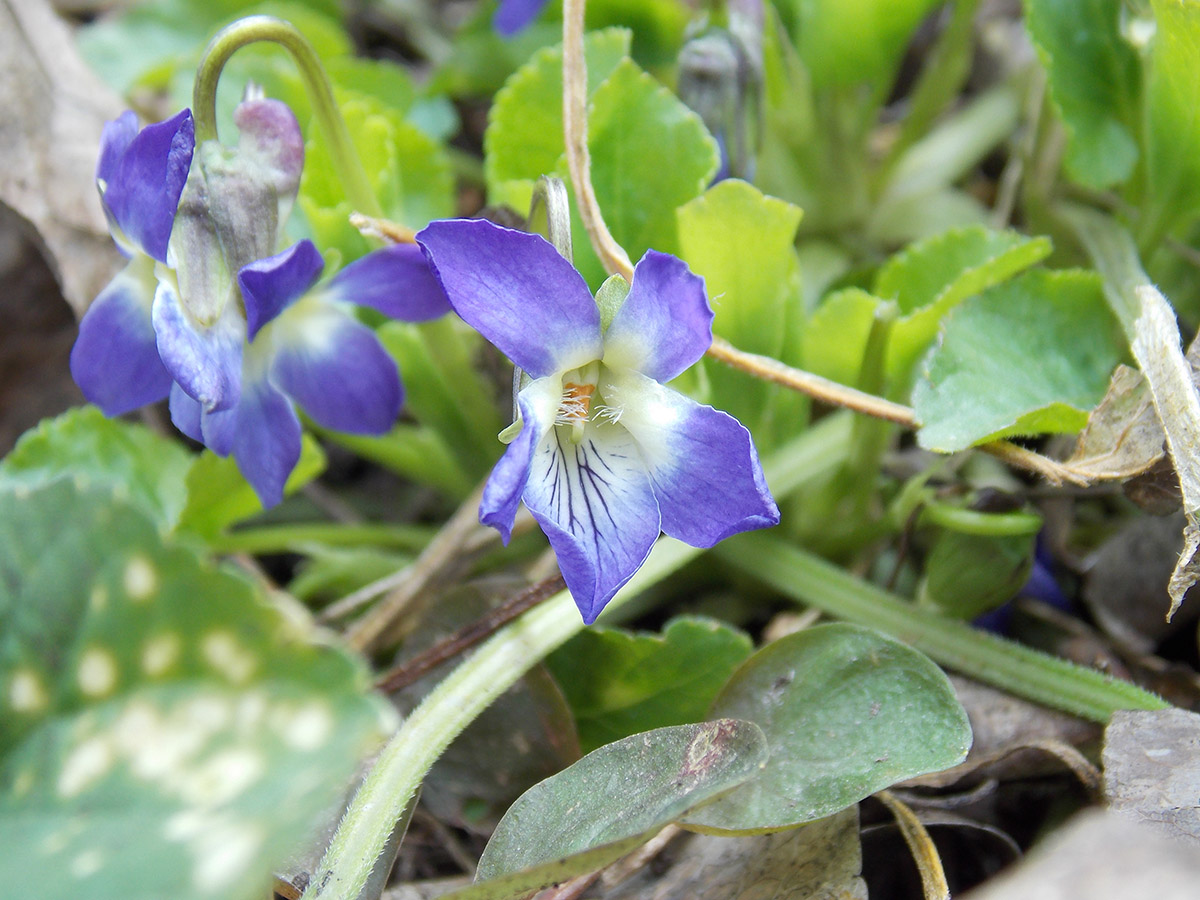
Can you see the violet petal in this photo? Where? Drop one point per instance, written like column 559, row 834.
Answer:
column 702, row 463
column 114, row 143
column 115, row 359
column 336, row 369
column 513, row 15
column 267, row 440
column 207, row 362
column 517, row 291
column 270, row 285
column 186, row 414
column 395, row 280
column 141, row 192
column 594, row 501
column 665, row 324
column 538, row 403
column 219, row 428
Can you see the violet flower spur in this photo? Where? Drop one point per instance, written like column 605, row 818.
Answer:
column 140, row 176
column 606, row 455
column 305, row 346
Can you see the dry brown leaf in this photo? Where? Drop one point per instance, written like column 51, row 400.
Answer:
column 818, row 861
column 1156, row 347
column 54, row 110
column 1124, row 440
column 1123, row 437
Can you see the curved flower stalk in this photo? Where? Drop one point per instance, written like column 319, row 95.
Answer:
column 606, row 456
column 513, row 15
column 140, row 176
column 304, row 346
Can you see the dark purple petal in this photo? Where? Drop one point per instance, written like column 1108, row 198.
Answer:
column 517, row 291
column 207, row 362
column 114, row 143
column 594, row 501
column 513, row 15
column 142, row 189
column 538, row 403
column 396, row 281
column 186, row 414
column 336, row 369
column 270, row 285
column 702, row 463
column 665, row 324
column 267, row 441
column 115, row 360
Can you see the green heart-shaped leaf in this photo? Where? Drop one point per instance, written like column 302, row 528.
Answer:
column 933, row 276
column 847, row 712
column 612, row 800
column 1028, row 357
column 1094, row 77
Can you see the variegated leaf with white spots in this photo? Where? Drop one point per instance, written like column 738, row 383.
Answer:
column 165, row 731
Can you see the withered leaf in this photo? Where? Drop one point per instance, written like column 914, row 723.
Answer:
column 54, row 110
column 1123, row 436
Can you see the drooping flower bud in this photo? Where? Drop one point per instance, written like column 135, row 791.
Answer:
column 234, row 204
column 231, row 213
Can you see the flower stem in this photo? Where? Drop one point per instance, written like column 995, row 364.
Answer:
column 614, row 259
column 836, row 394
column 268, row 28
column 815, row 386
column 1009, row 666
column 497, row 664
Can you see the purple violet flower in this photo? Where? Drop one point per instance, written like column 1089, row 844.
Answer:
column 140, row 176
column 205, row 314
column 606, row 456
column 305, row 347
column 513, row 15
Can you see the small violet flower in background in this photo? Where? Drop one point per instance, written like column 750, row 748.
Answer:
column 140, row 176
column 513, row 15
column 606, row 455
column 210, row 315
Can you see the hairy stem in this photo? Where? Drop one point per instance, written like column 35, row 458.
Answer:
column 614, row 259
